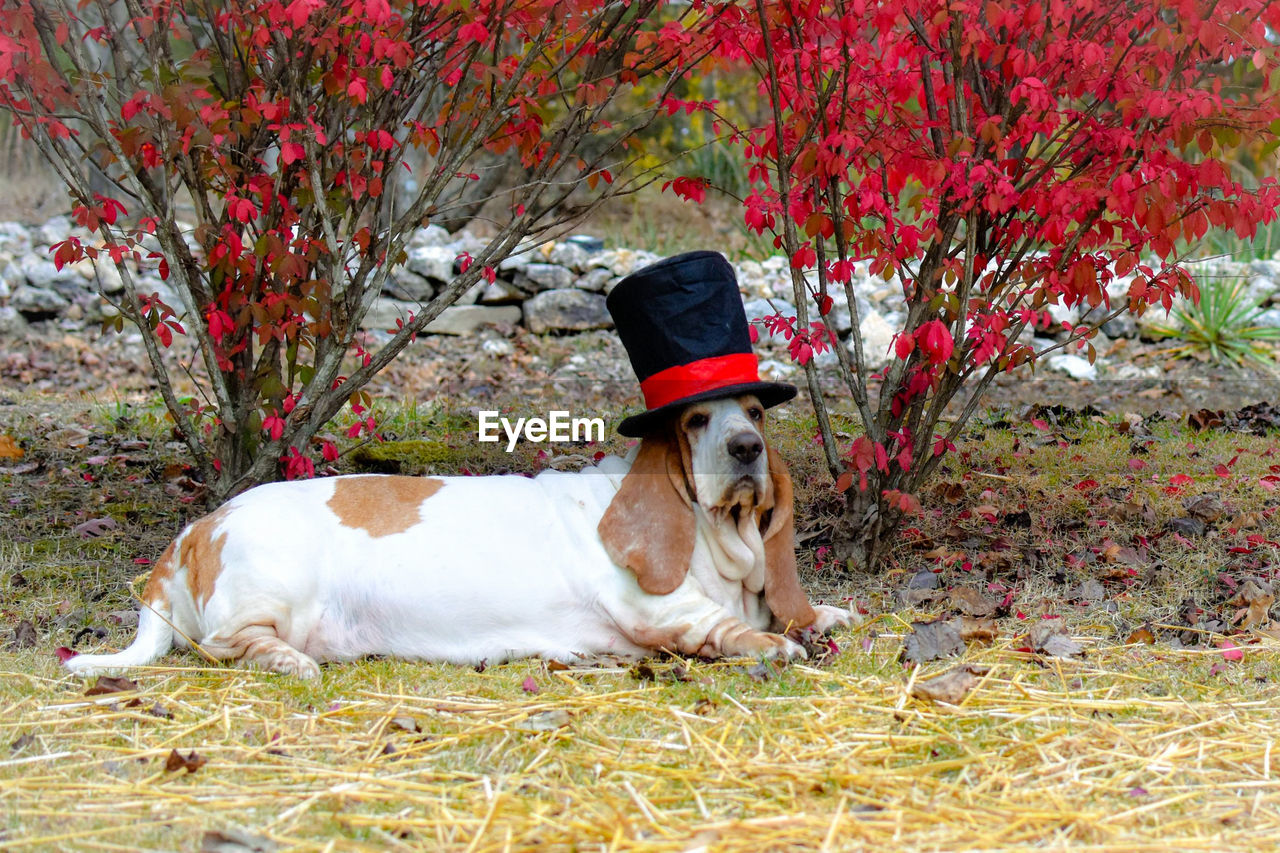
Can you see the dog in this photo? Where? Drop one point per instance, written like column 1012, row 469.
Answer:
column 686, row 545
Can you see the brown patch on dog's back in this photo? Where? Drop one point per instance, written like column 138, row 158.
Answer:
column 154, row 592
column 200, row 553
column 381, row 506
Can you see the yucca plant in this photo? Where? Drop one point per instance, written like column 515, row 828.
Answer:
column 1223, row 325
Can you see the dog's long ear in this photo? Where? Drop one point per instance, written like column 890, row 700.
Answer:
column 649, row 526
column 782, row 592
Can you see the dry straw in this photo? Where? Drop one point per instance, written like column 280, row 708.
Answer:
column 1130, row 748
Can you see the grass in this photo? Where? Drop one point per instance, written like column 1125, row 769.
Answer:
column 1129, row 747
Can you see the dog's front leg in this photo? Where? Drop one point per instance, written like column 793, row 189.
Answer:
column 685, row 620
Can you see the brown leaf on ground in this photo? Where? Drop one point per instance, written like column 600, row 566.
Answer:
column 25, row 636
column 1142, row 635
column 94, row 527
column 1205, row 419
column 976, row 629
column 1207, row 507
column 952, row 686
column 1051, row 637
column 931, row 640
column 236, row 841
column 190, row 762
column 973, row 602
column 9, row 448
column 1254, row 600
column 110, row 684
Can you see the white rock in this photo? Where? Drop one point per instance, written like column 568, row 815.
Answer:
column 877, row 337
column 432, row 262
column 55, row 230
column 466, row 319
column 539, row 277
column 1075, row 366
column 433, row 236
column 568, row 310
column 14, row 239
column 12, row 323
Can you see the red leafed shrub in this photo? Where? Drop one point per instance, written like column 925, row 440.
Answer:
column 283, row 129
column 989, row 157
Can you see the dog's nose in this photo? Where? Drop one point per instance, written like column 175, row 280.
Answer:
column 745, row 447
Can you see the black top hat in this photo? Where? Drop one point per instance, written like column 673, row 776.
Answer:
column 684, row 328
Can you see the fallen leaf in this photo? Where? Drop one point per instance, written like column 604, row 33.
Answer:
column 972, row 602
column 1254, row 600
column 1089, row 591
column 69, row 437
column 545, row 721
column 1051, row 637
column 24, row 740
column 190, row 762
column 952, row 686
column 64, row 654
column 9, row 448
column 233, row 840
column 930, row 641
column 1141, row 635
column 109, row 684
column 405, row 723
column 529, row 685
column 1207, row 507
column 25, row 636
column 1187, row 526
column 976, row 630
column 1230, row 651
column 94, row 527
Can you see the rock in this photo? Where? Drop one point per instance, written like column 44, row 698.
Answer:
column 432, row 262
column 773, row 370
column 382, row 315
column 501, row 293
column 1063, row 314
column 1121, row 326
column 877, row 337
column 571, row 256
column 623, row 262
column 566, row 310
column 540, row 277
column 14, row 239
column 54, row 231
column 466, row 319
column 597, row 280
column 403, row 283
column 12, row 323
column 1075, row 366
column 41, row 272
column 38, row 303
column 1269, row 319
column 433, row 236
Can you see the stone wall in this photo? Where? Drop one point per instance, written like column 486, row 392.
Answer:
column 555, row 287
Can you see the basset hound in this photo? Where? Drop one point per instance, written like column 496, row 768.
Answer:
column 686, row 546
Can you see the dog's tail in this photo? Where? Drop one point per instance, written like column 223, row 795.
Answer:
column 155, row 637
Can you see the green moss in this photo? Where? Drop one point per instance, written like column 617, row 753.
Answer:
column 406, row 457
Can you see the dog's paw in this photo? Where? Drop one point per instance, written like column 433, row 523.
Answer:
column 834, row 617
column 287, row 660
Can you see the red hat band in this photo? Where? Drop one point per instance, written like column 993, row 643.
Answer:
column 707, row 374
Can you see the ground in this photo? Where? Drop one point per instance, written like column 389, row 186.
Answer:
column 1096, row 582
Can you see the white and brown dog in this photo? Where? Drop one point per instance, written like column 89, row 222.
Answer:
column 686, row 545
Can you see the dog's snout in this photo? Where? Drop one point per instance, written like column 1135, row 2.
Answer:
column 745, row 447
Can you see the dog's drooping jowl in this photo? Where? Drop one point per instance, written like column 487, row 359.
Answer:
column 686, row 545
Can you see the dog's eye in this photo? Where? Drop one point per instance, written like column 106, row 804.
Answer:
column 755, row 413
column 698, row 421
